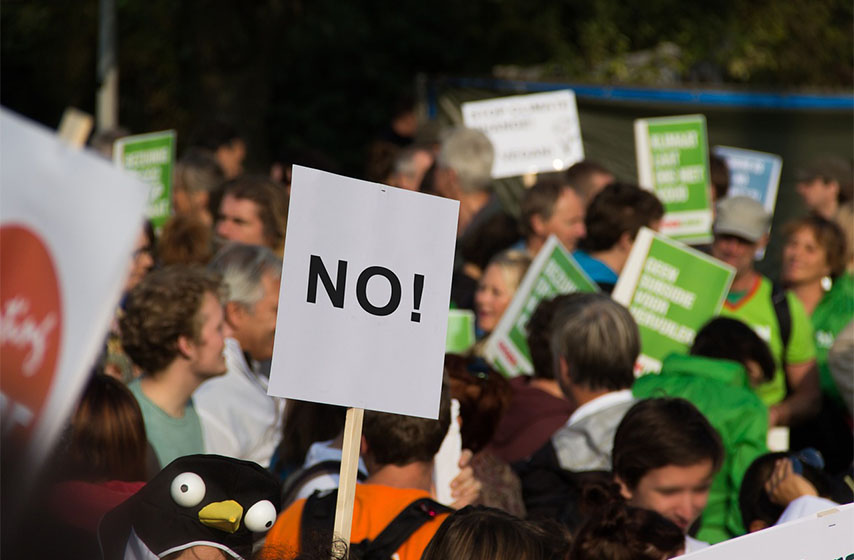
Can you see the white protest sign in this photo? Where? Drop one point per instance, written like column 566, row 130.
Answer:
column 363, row 307
column 823, row 536
column 68, row 223
column 530, row 133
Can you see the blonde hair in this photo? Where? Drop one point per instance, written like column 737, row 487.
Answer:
column 513, row 264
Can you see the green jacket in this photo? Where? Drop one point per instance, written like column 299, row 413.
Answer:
column 831, row 315
column 720, row 390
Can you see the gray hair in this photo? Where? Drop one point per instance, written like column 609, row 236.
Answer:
column 470, row 154
column 242, row 267
column 599, row 340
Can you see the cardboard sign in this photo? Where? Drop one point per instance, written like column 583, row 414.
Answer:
column 673, row 162
column 530, row 133
column 68, row 224
column 753, row 174
column 151, row 157
column 823, row 536
column 554, row 272
column 671, row 290
column 366, row 283
column 461, row 335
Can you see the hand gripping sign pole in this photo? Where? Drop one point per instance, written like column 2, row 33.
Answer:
column 363, row 305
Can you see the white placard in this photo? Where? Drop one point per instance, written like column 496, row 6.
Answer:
column 531, row 133
column 68, row 223
column 823, row 536
column 352, row 329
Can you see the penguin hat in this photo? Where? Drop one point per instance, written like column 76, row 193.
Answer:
column 197, row 500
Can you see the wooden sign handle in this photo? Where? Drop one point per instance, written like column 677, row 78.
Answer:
column 347, row 478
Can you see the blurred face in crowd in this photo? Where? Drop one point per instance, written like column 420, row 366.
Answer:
column 678, row 493
column 492, row 297
column 567, row 220
column 239, row 220
column 804, row 258
column 206, row 352
column 817, row 193
column 141, row 261
column 230, row 158
column 255, row 328
column 735, row 251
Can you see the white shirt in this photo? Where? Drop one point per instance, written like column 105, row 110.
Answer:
column 599, row 403
column 319, row 452
column 238, row 418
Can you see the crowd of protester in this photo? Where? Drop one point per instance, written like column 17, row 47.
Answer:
column 578, row 460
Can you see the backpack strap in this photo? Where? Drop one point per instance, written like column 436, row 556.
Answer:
column 300, row 478
column 784, row 318
column 318, row 516
column 412, row 518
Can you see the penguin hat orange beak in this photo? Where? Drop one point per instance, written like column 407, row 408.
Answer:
column 224, row 516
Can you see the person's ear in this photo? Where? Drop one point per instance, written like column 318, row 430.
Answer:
column 235, row 314
column 186, row 346
column 624, row 490
column 763, row 242
column 756, row 525
column 625, row 242
column 363, row 447
column 563, row 370
column 538, row 226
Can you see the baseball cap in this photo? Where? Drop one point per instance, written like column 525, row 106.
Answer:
column 743, row 217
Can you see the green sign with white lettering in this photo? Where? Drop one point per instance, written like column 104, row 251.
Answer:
column 671, row 291
column 151, row 157
column 673, row 162
column 554, row 272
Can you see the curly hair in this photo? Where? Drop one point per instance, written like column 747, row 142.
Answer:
column 162, row 308
column 271, row 200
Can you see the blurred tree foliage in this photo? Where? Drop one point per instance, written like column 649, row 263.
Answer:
column 323, row 74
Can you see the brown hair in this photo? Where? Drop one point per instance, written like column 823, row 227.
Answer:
column 622, row 532
column 483, row 394
column 185, row 240
column 619, row 208
column 540, row 200
column 580, row 176
column 829, row 236
column 106, row 440
column 394, row 439
column 164, row 306
column 271, row 200
column 483, row 533
column 659, row 432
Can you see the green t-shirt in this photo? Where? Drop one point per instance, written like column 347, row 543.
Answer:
column 169, row 436
column 831, row 315
column 757, row 310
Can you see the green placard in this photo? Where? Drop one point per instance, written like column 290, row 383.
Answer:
column 673, row 161
column 460, row 337
column 553, row 272
column 151, row 157
column 671, row 290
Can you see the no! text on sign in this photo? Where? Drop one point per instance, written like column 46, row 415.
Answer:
column 363, row 306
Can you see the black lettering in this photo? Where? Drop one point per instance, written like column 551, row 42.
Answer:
column 334, row 291
column 362, row 291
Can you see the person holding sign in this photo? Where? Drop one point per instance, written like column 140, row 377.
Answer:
column 552, row 206
column 613, row 220
column 174, row 329
column 398, row 451
column 741, row 229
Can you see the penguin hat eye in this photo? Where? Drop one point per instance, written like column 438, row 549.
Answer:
column 260, row 517
column 188, row 489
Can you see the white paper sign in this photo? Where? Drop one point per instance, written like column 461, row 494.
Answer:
column 824, row 536
column 530, row 133
column 363, row 306
column 68, row 223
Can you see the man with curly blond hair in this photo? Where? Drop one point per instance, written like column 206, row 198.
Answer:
column 174, row 330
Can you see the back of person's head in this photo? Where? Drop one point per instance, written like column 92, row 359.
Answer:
column 539, row 336
column 622, row 532
column 540, row 200
column 271, row 200
column 197, row 171
column 470, row 154
column 719, row 176
column 242, row 267
column 619, row 209
column 660, row 432
column 395, row 439
column 484, row 395
column 106, row 439
column 724, row 338
column 185, row 239
column 163, row 307
column 586, row 177
column 488, row 241
column 598, row 340
column 306, row 423
column 483, row 533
